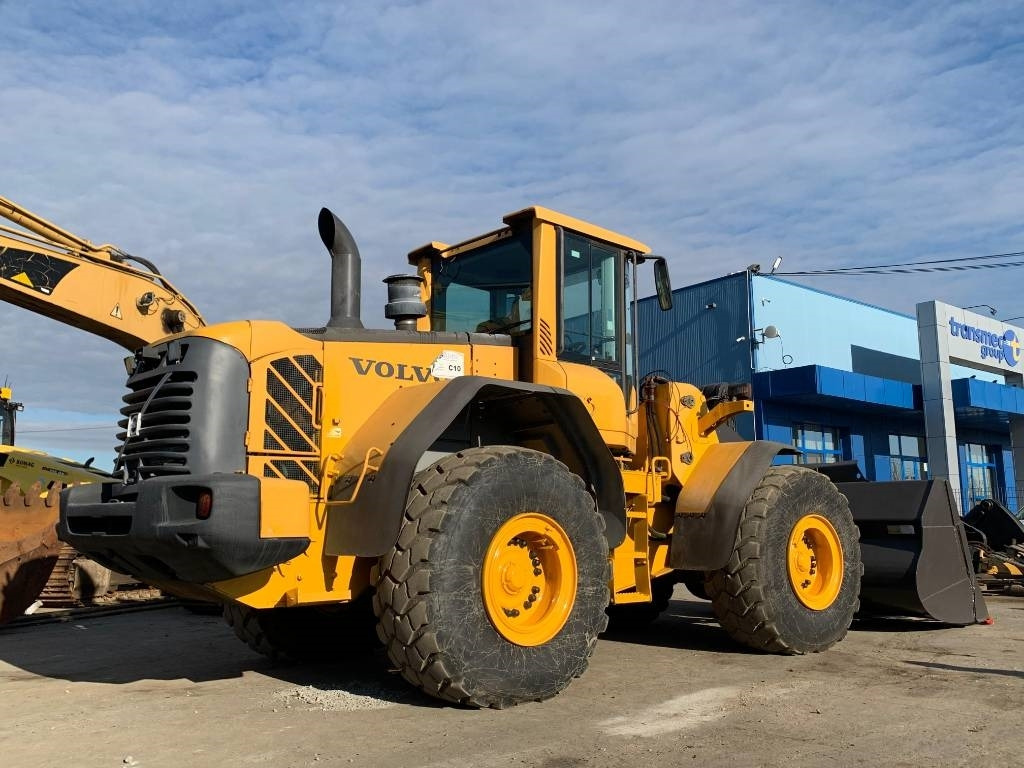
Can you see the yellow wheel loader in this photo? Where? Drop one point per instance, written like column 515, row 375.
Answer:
column 489, row 475
column 50, row 271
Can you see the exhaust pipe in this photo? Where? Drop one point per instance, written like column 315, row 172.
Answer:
column 345, row 271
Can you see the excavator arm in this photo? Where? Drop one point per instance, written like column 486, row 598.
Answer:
column 102, row 290
column 54, row 273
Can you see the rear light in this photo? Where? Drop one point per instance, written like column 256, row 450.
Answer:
column 204, row 505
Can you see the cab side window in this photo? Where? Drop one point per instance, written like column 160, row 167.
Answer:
column 591, row 316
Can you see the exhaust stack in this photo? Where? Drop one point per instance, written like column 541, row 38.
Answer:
column 345, row 271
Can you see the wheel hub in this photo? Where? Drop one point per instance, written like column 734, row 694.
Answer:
column 529, row 579
column 815, row 562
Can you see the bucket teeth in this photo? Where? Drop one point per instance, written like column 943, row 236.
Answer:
column 14, row 497
column 28, row 545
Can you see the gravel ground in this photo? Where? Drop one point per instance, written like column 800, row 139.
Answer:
column 170, row 688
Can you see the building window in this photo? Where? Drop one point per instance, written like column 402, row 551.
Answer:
column 981, row 473
column 819, row 445
column 907, row 458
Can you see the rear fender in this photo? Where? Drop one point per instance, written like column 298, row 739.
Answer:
column 418, row 425
column 709, row 506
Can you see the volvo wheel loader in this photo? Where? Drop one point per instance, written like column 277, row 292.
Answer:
column 489, row 476
column 54, row 273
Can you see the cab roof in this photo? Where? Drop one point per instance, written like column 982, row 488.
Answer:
column 537, row 213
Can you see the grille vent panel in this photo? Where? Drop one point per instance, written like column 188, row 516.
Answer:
column 293, row 469
column 290, row 405
column 546, row 345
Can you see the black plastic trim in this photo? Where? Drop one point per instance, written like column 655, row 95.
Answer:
column 151, row 531
column 369, row 526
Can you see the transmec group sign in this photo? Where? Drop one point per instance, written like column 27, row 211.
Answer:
column 1001, row 347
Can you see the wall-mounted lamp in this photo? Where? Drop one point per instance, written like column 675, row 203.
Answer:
column 776, row 264
column 768, row 332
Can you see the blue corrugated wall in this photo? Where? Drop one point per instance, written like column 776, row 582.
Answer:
column 692, row 342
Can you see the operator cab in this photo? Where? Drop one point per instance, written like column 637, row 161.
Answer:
column 489, row 285
column 8, row 413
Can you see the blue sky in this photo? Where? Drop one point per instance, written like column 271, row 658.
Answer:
column 205, row 136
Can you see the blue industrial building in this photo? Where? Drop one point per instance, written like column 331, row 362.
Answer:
column 837, row 378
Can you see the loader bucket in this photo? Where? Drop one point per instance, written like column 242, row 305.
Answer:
column 28, row 546
column 994, row 525
column 915, row 553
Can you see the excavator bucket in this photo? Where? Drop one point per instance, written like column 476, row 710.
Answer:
column 28, row 546
column 916, row 557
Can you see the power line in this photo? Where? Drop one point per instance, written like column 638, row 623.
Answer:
column 919, row 266
column 61, row 429
column 853, row 271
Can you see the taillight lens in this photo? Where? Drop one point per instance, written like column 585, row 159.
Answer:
column 204, row 505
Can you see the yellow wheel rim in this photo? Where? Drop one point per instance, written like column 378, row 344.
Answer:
column 815, row 562
column 529, row 579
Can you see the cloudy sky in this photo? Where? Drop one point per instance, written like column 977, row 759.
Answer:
column 205, row 136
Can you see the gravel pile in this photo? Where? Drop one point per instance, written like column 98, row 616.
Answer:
column 345, row 697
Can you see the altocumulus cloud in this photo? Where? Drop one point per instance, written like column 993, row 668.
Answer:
column 206, row 135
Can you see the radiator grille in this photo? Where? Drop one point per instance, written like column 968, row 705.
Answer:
column 186, row 411
column 162, row 444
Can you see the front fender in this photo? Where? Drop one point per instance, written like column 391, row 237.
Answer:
column 709, row 506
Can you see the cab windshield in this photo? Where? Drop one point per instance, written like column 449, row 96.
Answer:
column 485, row 290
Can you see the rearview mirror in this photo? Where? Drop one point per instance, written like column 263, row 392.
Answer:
column 662, row 283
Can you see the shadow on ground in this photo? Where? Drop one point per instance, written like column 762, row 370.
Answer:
column 973, row 670
column 172, row 644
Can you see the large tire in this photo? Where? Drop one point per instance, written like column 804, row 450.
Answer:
column 437, row 597
column 627, row 617
column 755, row 596
column 305, row 633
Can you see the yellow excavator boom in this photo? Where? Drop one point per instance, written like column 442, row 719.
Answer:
column 54, row 273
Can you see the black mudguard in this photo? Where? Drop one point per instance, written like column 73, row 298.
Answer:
column 705, row 543
column 369, row 525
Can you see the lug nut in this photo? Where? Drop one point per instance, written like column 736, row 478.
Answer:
column 535, row 590
column 806, row 584
column 527, row 604
column 537, row 571
column 533, row 555
column 521, row 542
column 531, row 598
column 535, row 561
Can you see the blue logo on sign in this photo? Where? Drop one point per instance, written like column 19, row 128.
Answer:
column 1003, row 349
column 1011, row 348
